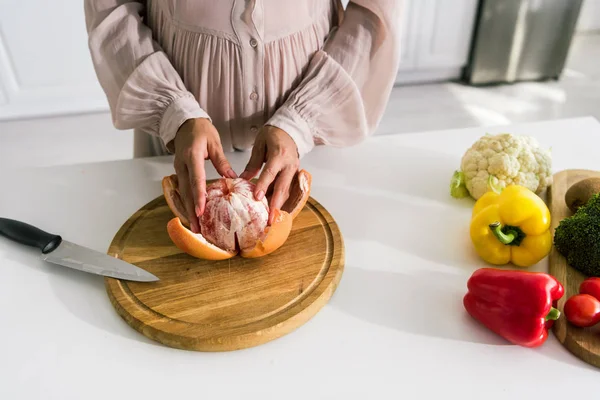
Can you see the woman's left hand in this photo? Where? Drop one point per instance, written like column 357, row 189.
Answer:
column 278, row 151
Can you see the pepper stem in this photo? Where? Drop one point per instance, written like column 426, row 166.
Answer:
column 553, row 314
column 504, row 238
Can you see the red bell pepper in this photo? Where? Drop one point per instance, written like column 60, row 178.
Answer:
column 517, row 305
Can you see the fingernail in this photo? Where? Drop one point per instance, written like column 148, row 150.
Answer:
column 260, row 195
column 198, row 212
column 232, row 174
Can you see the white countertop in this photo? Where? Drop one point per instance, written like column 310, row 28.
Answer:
column 395, row 327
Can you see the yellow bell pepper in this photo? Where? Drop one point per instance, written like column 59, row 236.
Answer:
column 511, row 226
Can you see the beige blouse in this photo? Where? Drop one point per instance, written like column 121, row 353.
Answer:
column 321, row 73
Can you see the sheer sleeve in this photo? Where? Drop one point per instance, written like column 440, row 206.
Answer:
column 345, row 90
column 143, row 89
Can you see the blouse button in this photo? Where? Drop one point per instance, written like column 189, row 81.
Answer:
column 253, row 129
column 253, row 96
column 253, row 42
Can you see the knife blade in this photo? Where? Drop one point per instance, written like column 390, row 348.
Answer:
column 62, row 252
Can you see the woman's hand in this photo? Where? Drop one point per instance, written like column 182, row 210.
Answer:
column 278, row 151
column 196, row 141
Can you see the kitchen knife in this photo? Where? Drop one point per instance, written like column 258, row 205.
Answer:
column 58, row 251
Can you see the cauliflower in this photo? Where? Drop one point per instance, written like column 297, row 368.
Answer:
column 501, row 160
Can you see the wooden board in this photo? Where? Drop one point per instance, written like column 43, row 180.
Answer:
column 582, row 342
column 225, row 305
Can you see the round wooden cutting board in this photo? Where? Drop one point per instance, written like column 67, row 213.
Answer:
column 584, row 343
column 224, row 305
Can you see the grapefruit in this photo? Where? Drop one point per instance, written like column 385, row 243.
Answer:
column 234, row 222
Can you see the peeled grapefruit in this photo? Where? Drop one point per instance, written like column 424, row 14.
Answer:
column 233, row 221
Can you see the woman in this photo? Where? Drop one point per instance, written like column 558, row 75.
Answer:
column 199, row 78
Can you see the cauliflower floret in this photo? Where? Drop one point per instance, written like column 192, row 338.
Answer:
column 503, row 159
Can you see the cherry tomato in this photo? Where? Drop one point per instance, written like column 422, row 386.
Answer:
column 582, row 310
column 591, row 286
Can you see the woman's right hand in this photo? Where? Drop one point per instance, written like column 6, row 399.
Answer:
column 197, row 140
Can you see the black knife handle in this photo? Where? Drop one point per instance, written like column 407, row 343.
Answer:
column 29, row 235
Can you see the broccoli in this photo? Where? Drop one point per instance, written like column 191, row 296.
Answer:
column 577, row 238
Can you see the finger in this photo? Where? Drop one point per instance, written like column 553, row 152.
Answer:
column 267, row 176
column 197, row 179
column 186, row 196
column 281, row 190
column 218, row 159
column 256, row 161
column 269, row 193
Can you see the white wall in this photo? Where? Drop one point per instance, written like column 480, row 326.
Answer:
column 45, row 66
column 589, row 18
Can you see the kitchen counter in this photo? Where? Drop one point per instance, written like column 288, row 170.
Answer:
column 395, row 326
